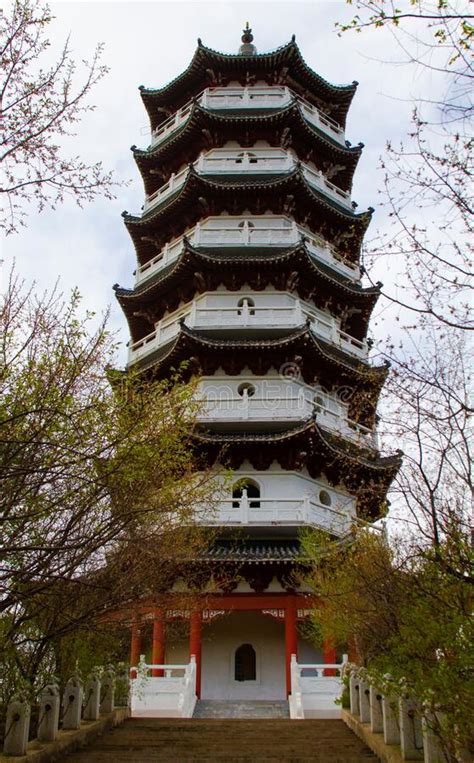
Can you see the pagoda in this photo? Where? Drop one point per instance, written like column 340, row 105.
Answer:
column 248, row 249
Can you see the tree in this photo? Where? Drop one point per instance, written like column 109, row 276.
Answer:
column 427, row 197
column 407, row 617
column 427, row 186
column 407, row 600
column 99, row 494
column 39, row 107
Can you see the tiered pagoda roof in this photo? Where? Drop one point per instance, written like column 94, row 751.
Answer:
column 198, row 270
column 322, row 208
column 308, row 445
column 284, row 66
column 315, row 358
column 205, row 129
column 286, row 193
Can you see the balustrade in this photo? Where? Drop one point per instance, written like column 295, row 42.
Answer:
column 164, row 687
column 220, row 405
column 74, row 705
column 392, row 712
column 255, row 97
column 278, row 511
column 315, row 688
column 238, row 232
column 255, row 317
column 223, row 161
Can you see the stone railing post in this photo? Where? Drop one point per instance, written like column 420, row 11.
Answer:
column 72, row 703
column 376, row 716
column 122, row 686
column 433, row 752
column 364, row 705
column 196, row 239
column 48, row 720
column 108, row 691
column 410, row 730
column 391, row 728
column 244, row 508
column 17, row 727
column 354, row 693
column 92, row 698
column 306, row 509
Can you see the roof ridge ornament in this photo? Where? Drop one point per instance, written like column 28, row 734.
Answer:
column 247, row 48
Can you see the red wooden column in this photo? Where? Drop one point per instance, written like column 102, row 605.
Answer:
column 195, row 646
column 158, row 642
column 352, row 651
column 329, row 657
column 291, row 638
column 135, row 645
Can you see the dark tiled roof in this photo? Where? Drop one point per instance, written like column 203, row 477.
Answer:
column 206, row 62
column 336, row 444
column 289, row 337
column 190, row 137
column 253, row 551
column 283, row 193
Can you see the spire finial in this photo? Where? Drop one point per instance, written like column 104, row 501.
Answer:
column 247, row 48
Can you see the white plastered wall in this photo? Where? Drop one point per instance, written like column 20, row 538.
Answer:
column 220, row 639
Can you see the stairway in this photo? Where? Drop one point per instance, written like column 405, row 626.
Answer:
column 241, row 709
column 274, row 740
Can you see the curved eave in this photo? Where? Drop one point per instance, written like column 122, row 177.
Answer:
column 169, row 153
column 233, row 192
column 299, row 346
column 207, row 63
column 335, row 445
column 171, row 285
column 308, row 445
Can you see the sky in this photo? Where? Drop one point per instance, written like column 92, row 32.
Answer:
column 150, row 43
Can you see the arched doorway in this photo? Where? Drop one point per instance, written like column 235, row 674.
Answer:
column 245, row 663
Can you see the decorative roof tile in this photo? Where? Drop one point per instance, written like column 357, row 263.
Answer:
column 253, row 551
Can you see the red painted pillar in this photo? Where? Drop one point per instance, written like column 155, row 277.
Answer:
column 353, row 654
column 135, row 646
column 195, row 646
column 329, row 657
column 291, row 638
column 158, row 642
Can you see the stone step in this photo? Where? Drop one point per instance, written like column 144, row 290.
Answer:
column 146, row 740
column 241, row 709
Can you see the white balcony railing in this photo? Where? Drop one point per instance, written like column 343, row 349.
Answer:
column 246, row 409
column 236, row 232
column 258, row 161
column 163, row 690
column 261, row 512
column 316, row 689
column 246, row 317
column 255, row 97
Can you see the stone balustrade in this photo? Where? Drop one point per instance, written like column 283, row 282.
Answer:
column 77, row 704
column 250, row 231
column 253, row 97
column 256, row 161
column 295, row 511
column 232, row 317
column 243, row 410
column 393, row 718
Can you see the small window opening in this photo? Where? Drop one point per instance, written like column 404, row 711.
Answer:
column 246, row 301
column 253, row 492
column 325, row 498
column 251, row 157
column 245, row 668
column 244, row 388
